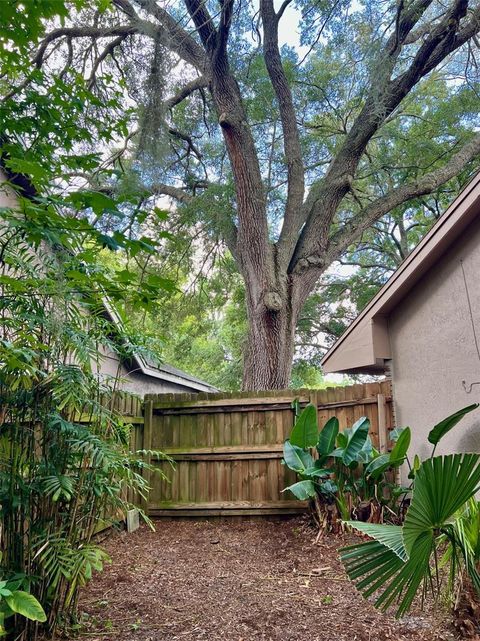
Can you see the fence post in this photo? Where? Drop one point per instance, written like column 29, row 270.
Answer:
column 382, row 423
column 147, row 444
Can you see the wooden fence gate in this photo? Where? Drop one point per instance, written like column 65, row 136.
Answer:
column 227, row 448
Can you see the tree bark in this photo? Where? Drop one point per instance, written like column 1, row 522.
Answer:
column 270, row 343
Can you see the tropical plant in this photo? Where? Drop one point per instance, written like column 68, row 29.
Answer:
column 348, row 477
column 460, row 586
column 400, row 560
column 14, row 601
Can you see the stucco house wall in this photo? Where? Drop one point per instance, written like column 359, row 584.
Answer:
column 422, row 329
column 434, row 349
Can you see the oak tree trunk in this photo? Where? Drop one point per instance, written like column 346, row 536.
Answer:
column 269, row 349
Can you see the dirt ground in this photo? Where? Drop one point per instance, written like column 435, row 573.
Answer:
column 238, row 581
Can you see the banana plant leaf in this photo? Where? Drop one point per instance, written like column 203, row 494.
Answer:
column 378, row 466
column 442, row 428
column 400, row 449
column 328, row 437
column 315, row 471
column 395, row 433
column 352, row 441
column 305, row 431
column 366, row 453
column 296, row 458
column 302, row 490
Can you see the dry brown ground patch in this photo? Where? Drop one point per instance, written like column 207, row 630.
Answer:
column 238, row 581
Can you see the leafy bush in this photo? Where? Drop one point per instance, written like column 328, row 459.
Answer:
column 14, row 601
column 398, row 561
column 349, row 478
column 66, row 468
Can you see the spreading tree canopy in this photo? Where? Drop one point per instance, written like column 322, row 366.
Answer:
column 285, row 152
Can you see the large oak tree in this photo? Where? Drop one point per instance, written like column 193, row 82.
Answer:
column 290, row 157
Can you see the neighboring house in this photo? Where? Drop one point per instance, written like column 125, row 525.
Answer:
column 141, row 377
column 423, row 330
column 136, row 375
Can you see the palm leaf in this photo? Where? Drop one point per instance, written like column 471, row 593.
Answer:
column 442, row 485
column 388, row 535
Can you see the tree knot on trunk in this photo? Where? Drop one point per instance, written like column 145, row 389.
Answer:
column 225, row 121
column 273, row 301
column 309, row 261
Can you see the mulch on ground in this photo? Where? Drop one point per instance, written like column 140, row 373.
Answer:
column 236, row 581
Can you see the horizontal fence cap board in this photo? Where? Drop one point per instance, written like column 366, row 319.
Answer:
column 228, row 505
column 166, row 513
column 223, row 402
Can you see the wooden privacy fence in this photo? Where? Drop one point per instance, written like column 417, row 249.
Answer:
column 227, row 448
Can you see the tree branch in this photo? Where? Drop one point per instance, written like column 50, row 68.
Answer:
column 384, row 96
column 203, row 23
column 81, row 32
column 185, row 91
column 173, row 36
column 109, row 49
column 282, row 9
column 291, row 138
column 425, row 185
column 161, row 189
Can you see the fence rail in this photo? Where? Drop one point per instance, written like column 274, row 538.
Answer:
column 227, row 448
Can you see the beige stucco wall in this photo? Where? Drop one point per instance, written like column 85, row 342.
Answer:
column 433, row 349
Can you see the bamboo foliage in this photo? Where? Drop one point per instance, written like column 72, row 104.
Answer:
column 66, row 467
